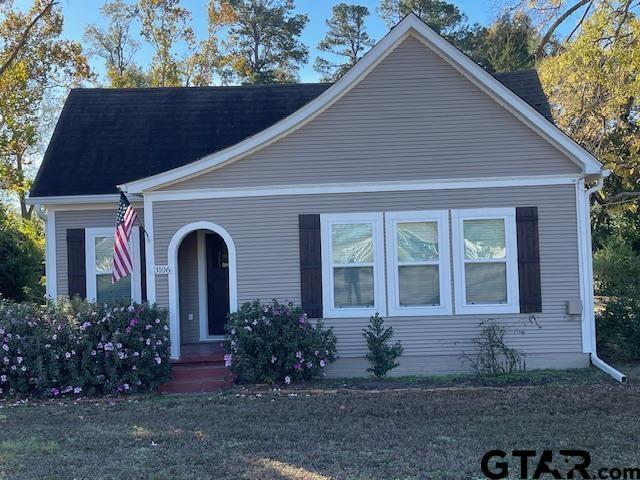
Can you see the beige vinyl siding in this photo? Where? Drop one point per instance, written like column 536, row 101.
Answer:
column 447, row 364
column 188, row 287
column 265, row 233
column 81, row 218
column 413, row 117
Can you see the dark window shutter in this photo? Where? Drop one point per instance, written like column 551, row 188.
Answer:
column 143, row 266
column 310, row 265
column 76, row 263
column 528, row 260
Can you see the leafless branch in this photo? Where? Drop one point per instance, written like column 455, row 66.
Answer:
column 551, row 30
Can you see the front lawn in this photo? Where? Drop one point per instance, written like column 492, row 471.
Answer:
column 436, row 434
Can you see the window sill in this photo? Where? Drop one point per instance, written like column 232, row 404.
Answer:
column 419, row 311
column 486, row 309
column 352, row 312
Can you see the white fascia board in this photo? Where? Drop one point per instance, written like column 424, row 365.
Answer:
column 410, row 25
column 78, row 199
column 361, row 187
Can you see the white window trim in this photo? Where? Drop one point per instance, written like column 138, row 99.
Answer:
column 377, row 222
column 441, row 217
column 90, row 235
column 511, row 243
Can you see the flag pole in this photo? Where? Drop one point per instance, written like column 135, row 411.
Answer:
column 144, row 230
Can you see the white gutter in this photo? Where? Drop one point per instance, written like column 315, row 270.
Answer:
column 41, row 215
column 590, row 307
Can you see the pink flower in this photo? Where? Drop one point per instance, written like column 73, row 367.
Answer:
column 297, row 366
column 298, row 354
column 55, row 392
column 287, row 380
column 227, row 360
column 322, row 363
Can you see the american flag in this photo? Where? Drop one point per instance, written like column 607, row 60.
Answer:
column 122, row 262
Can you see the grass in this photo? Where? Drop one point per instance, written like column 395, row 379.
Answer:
column 343, row 434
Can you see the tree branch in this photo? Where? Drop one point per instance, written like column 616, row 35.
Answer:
column 620, row 198
column 25, row 37
column 547, row 36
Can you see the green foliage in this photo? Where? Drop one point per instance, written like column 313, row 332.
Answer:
column 164, row 24
column 616, row 268
column 75, row 347
column 506, row 45
column 594, row 87
column 45, row 63
column 618, row 329
column 617, row 281
column 272, row 343
column 381, row 355
column 115, row 44
column 493, row 355
column 21, row 257
column 263, row 44
column 346, row 38
column 444, row 17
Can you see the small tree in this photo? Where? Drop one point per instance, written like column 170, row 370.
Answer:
column 381, row 356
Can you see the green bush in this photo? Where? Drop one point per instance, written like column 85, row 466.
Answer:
column 617, row 282
column 75, row 347
column 616, row 268
column 381, row 356
column 618, row 329
column 21, row 258
column 273, row 343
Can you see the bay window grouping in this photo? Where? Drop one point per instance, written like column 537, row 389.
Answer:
column 401, row 263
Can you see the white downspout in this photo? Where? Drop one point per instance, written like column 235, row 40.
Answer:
column 590, row 307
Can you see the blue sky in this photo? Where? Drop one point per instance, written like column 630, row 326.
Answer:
column 78, row 13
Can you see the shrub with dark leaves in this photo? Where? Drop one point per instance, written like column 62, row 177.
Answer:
column 277, row 343
column 75, row 347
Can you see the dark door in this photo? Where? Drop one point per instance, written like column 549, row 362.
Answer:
column 217, row 283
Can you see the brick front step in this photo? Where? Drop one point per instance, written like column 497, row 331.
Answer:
column 200, row 369
column 200, row 372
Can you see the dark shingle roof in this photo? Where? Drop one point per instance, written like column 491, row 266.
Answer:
column 526, row 84
column 105, row 137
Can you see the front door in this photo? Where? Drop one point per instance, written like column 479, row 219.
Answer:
column 217, row 283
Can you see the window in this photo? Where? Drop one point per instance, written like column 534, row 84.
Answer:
column 485, row 260
column 418, row 276
column 99, row 258
column 352, row 265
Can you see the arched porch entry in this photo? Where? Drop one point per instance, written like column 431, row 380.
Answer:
column 202, row 267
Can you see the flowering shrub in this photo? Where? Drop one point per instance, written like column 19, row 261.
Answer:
column 277, row 343
column 81, row 348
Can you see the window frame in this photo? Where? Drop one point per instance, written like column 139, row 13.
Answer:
column 441, row 218
column 508, row 215
column 90, row 236
column 376, row 219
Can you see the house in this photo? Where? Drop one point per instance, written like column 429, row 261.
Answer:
column 418, row 186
